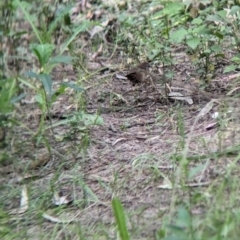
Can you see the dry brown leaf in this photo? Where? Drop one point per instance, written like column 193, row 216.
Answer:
column 98, row 53
column 118, row 140
column 180, row 96
column 56, row 220
column 207, row 108
column 57, row 200
column 121, row 77
column 23, row 202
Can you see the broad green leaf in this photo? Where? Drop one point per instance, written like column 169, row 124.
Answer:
column 32, row 74
column 39, row 99
column 197, row 21
column 91, row 119
column 86, row 119
column 170, row 9
column 178, row 35
column 158, row 15
column 47, row 82
column 193, row 42
column 218, row 34
column 156, row 23
column 228, row 227
column 58, row 92
column 82, row 118
column 184, row 217
column 215, row 18
column 61, row 59
column 230, row 68
column 173, row 8
column 44, row 78
column 234, row 10
column 176, row 230
column 43, row 52
column 236, row 59
column 203, row 29
column 222, row 14
column 122, row 17
column 169, row 74
column 216, row 48
column 16, row 99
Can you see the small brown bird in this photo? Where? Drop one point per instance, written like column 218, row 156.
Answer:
column 139, row 73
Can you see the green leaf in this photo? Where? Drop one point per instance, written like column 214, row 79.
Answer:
column 156, row 23
column 58, row 92
column 173, row 8
column 197, row 21
column 174, row 237
column 122, row 17
column 73, row 86
column 203, row 29
column 39, row 98
column 43, row 52
column 120, row 218
column 16, row 99
column 236, row 59
column 222, row 14
column 157, row 15
column 234, row 10
column 216, row 48
column 47, row 82
column 91, row 119
column 32, row 74
column 184, row 218
column 61, row 59
column 176, row 230
column 86, row 119
column 178, row 35
column 193, row 42
column 5, row 95
column 216, row 18
column 218, row 34
column 169, row 74
column 12, row 88
column 230, row 68
column 44, row 78
column 161, row 233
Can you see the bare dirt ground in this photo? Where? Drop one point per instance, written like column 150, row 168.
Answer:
column 131, row 155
